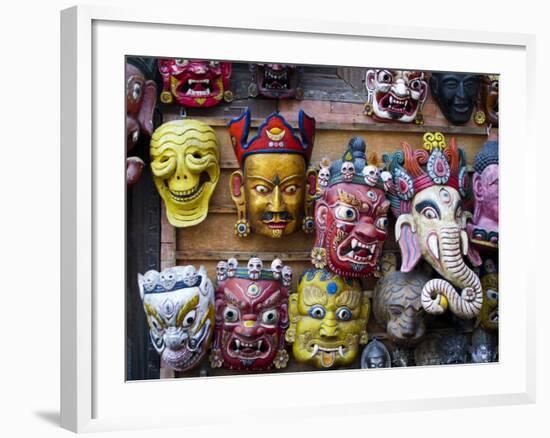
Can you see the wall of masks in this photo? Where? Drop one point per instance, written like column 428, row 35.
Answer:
column 294, row 218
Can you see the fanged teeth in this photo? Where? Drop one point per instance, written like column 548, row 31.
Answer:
column 259, row 345
column 341, row 351
column 241, row 344
column 315, row 350
column 238, row 344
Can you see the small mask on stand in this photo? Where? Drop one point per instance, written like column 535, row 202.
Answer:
column 185, row 161
column 396, row 95
column 456, row 94
column 484, row 347
column 350, row 214
column 328, row 319
column 179, row 305
column 426, row 194
column 195, row 83
column 375, row 355
column 273, row 192
column 275, row 81
column 251, row 318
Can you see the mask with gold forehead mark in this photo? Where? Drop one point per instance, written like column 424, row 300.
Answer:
column 350, row 214
column 273, row 191
column 179, row 305
column 328, row 319
column 185, row 161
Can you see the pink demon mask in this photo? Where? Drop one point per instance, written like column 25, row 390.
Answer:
column 350, row 215
column 251, row 318
column 483, row 229
column 195, row 83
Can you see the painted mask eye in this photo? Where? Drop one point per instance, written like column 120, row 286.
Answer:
column 492, row 294
column 345, row 213
column 156, row 324
column 262, row 189
column 181, row 62
column 317, row 312
column 230, row 314
column 415, row 85
column 190, row 318
column 382, row 223
column 270, row 317
column 494, row 85
column 384, row 77
column 291, row 189
column 343, row 314
column 372, row 196
column 214, row 64
column 136, row 91
column 396, row 310
column 429, row 213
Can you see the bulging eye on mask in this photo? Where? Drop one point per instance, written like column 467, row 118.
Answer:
column 185, row 162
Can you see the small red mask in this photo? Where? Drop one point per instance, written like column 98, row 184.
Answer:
column 251, row 318
column 351, row 216
column 194, row 83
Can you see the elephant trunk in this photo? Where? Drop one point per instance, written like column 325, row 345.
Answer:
column 437, row 293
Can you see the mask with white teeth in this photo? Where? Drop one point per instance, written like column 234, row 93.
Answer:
column 351, row 216
column 185, row 161
column 328, row 316
column 275, row 81
column 194, row 83
column 251, row 319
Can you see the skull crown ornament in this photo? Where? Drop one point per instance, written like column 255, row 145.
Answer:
column 185, row 161
column 251, row 317
column 350, row 214
column 273, row 192
column 431, row 222
column 179, row 306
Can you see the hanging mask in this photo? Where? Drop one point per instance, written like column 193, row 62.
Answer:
column 350, row 215
column 396, row 95
column 375, row 355
column 251, row 319
column 483, row 229
column 275, row 81
column 397, row 303
column 274, row 192
column 328, row 319
column 488, row 101
column 185, row 161
column 426, row 193
column 488, row 316
column 141, row 98
column 456, row 95
column 194, row 83
column 179, row 305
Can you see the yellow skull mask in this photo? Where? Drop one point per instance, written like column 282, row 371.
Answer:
column 185, row 161
column 328, row 319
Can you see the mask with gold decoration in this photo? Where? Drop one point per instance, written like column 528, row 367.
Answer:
column 252, row 317
column 185, row 161
column 274, row 191
column 350, row 214
column 328, row 319
column 488, row 316
column 426, row 192
column 179, row 305
column 195, row 83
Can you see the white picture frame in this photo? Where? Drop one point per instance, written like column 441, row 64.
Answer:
column 94, row 395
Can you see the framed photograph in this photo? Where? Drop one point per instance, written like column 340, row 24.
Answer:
column 236, row 219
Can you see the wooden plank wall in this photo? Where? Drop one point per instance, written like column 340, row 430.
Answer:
column 335, row 97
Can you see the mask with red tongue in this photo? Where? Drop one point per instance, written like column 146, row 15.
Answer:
column 251, row 319
column 351, row 215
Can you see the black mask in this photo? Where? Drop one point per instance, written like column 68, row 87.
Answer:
column 456, row 95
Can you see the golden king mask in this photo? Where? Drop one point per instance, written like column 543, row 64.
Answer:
column 274, row 192
column 328, row 319
column 432, row 223
column 185, row 161
column 179, row 305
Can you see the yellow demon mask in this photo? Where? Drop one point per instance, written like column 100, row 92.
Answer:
column 328, row 319
column 186, row 167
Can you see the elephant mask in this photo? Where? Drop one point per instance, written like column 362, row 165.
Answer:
column 432, row 223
